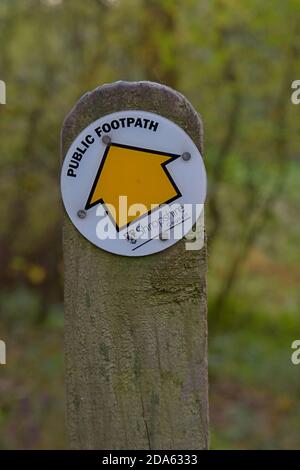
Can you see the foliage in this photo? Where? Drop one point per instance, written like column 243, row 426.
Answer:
column 235, row 61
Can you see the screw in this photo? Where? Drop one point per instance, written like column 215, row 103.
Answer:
column 186, row 156
column 81, row 214
column 106, row 139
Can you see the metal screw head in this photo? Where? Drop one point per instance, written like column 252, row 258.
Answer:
column 81, row 214
column 106, row 139
column 186, row 156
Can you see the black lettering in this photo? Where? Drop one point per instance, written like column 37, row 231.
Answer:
column 74, row 164
column 115, row 124
column 146, row 122
column 77, row 156
column 153, row 126
column 130, row 121
column 98, row 131
column 90, row 139
column 138, row 123
column 80, row 150
column 84, row 144
column 71, row 173
column 106, row 127
column 122, row 120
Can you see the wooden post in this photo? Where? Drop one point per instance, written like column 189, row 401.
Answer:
column 135, row 328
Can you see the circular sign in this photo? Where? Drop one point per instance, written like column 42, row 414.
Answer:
column 133, row 183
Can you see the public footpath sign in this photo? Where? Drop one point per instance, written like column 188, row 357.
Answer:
column 133, row 183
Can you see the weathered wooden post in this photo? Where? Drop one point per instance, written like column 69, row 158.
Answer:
column 135, row 327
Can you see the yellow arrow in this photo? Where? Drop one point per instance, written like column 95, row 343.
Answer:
column 140, row 174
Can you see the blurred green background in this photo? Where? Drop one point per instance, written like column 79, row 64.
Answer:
column 235, row 60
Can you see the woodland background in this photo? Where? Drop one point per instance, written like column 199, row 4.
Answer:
column 235, row 61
